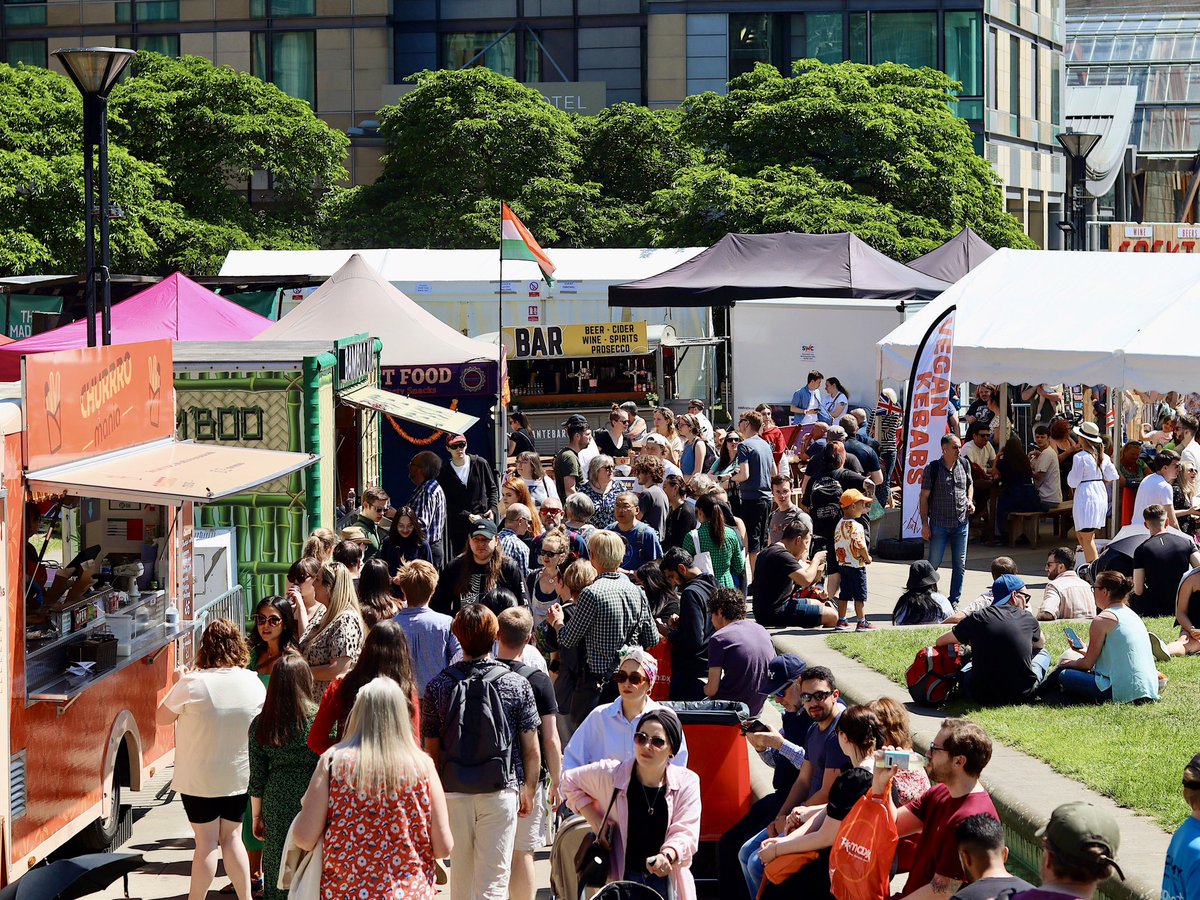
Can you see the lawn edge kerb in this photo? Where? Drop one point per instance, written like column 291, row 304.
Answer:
column 1010, row 796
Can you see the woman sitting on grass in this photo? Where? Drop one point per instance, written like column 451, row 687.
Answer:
column 1117, row 663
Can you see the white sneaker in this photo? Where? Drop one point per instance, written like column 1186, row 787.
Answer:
column 1159, row 647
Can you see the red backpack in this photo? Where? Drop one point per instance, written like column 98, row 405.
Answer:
column 934, row 673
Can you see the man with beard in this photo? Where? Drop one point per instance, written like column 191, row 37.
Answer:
column 824, row 760
column 957, row 757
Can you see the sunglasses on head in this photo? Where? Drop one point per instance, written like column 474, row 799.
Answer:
column 634, row 678
column 642, row 739
column 269, row 620
column 819, row 696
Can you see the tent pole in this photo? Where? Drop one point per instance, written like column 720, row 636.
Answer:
column 1115, row 401
column 1002, row 434
column 501, row 417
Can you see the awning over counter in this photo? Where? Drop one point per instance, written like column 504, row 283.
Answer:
column 416, row 411
column 170, row 472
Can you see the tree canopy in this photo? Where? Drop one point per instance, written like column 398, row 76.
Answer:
column 876, row 150
column 183, row 134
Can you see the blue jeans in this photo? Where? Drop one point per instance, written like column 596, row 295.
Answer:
column 1040, row 665
column 956, row 539
column 752, row 866
column 1082, row 684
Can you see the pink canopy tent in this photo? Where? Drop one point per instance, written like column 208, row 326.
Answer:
column 175, row 308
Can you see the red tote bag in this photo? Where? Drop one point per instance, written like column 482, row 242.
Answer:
column 860, row 862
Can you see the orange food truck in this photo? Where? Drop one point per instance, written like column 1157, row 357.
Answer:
column 89, row 650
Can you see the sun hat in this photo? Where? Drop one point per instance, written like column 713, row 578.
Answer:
column 356, row 534
column 1089, row 431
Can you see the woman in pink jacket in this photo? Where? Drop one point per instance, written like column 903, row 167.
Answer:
column 655, row 818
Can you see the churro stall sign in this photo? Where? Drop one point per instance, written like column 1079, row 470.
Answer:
column 577, row 341
column 81, row 403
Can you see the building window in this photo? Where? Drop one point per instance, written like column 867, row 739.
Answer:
column 755, row 38
column 963, row 34
column 1035, row 84
column 166, row 44
column 287, row 59
column 818, row 36
column 909, row 38
column 18, row 13
column 31, row 53
column 281, row 9
column 1014, row 75
column 494, row 50
column 993, row 70
column 147, row 11
column 858, row 38
column 1056, row 89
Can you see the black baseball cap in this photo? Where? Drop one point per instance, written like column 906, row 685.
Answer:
column 484, row 527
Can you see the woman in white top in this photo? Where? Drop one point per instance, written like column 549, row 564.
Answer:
column 212, row 709
column 836, row 402
column 607, row 732
column 664, row 425
column 1091, row 474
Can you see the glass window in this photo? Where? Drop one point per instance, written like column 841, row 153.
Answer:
column 18, row 13
column 280, row 9
column 818, row 36
column 992, row 88
column 858, row 37
column 287, row 59
column 964, row 51
column 1035, row 84
column 31, row 53
column 909, row 38
column 490, row 49
column 533, row 59
column 148, row 11
column 166, row 44
column 1014, row 75
column 754, row 38
column 1193, row 84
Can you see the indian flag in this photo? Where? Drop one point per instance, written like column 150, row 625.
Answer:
column 517, row 243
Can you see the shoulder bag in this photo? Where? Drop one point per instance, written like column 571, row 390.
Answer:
column 593, row 859
column 701, row 560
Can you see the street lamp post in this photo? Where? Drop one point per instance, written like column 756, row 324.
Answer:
column 1078, row 145
column 95, row 70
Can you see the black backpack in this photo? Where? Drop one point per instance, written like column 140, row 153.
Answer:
column 826, row 504
column 476, row 742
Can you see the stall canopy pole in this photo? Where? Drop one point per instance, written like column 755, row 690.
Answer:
column 501, row 423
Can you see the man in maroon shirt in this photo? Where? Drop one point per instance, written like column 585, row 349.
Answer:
column 956, row 758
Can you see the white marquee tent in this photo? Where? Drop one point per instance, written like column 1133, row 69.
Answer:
column 1119, row 319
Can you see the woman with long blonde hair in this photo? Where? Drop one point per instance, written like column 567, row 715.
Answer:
column 515, row 490
column 664, row 424
column 332, row 643
column 379, row 780
column 320, row 544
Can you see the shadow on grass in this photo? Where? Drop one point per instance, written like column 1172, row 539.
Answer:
column 1133, row 754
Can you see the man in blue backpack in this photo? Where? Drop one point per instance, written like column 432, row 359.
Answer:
column 480, row 723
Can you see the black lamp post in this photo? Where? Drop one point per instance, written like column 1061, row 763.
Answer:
column 1078, row 145
column 95, row 70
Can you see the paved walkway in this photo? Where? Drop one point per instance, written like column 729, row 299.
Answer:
column 1025, row 790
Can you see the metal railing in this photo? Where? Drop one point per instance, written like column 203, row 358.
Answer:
column 230, row 605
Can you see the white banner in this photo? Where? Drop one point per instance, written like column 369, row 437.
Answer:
column 925, row 416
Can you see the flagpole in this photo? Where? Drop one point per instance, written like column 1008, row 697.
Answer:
column 501, row 413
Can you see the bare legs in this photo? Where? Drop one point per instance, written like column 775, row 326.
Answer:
column 225, row 836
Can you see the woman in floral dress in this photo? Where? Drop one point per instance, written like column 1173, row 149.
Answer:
column 281, row 764
column 378, row 802
column 332, row 644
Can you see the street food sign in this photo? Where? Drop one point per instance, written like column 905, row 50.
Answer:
column 575, row 341
column 1126, row 238
column 81, row 403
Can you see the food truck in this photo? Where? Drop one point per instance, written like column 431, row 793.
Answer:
column 558, row 370
column 96, row 526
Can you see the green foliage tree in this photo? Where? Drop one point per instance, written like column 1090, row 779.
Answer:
column 183, row 134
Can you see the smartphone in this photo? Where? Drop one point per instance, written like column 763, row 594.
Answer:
column 1073, row 638
column 896, row 758
column 754, row 726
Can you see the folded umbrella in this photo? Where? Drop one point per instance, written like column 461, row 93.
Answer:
column 68, row 879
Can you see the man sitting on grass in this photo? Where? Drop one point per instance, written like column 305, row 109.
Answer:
column 1001, row 565
column 1067, row 595
column 1008, row 655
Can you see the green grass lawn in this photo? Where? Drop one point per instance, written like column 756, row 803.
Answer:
column 1133, row 754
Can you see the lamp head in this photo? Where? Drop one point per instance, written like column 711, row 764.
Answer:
column 94, row 69
column 1078, row 144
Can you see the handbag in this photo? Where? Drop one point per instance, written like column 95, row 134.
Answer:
column 593, row 859
column 860, row 861
column 300, row 870
column 701, row 560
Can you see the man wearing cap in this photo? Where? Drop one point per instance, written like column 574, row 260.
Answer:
column 1079, row 850
column 783, row 751
column 696, row 408
column 1008, row 656
column 1181, row 875
column 470, row 488
column 568, row 468
column 479, row 568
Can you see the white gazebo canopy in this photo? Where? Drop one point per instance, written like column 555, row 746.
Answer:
column 1034, row 316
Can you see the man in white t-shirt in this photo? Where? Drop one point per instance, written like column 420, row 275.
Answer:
column 979, row 450
column 1156, row 488
column 1045, row 469
column 1067, row 595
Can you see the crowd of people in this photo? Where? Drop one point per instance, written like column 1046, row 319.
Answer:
column 447, row 675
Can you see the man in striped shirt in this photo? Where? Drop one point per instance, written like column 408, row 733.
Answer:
column 429, row 503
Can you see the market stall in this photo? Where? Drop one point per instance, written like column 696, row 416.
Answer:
column 99, row 574
column 955, row 258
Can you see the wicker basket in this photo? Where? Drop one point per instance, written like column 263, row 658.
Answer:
column 99, row 647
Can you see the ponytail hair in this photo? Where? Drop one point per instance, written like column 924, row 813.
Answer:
column 862, row 728
column 715, row 514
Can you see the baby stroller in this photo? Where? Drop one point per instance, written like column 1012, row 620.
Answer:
column 564, row 883
column 628, row 890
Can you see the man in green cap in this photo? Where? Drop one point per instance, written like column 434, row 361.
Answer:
column 1079, row 850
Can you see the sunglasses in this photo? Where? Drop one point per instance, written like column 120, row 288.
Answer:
column 819, row 696
column 1191, row 785
column 548, row 555
column 551, row 511
column 733, row 440
column 269, row 620
column 615, row 421
column 634, row 678
column 457, row 446
column 380, row 509
column 642, row 739
column 609, row 468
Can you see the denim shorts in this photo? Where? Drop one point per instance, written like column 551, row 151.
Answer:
column 854, row 585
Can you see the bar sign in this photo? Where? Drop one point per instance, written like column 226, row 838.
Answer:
column 1139, row 231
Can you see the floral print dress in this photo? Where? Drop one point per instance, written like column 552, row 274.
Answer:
column 343, row 637
column 377, row 849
